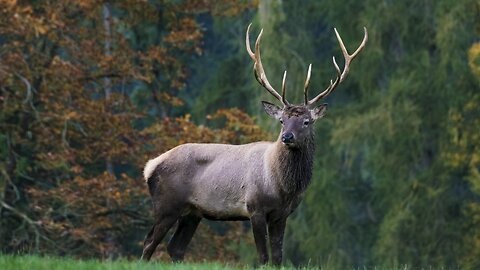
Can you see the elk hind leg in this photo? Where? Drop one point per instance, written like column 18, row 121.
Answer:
column 181, row 238
column 156, row 234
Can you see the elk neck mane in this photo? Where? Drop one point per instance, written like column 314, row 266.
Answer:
column 293, row 166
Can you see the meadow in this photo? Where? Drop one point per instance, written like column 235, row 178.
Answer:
column 29, row 262
column 52, row 263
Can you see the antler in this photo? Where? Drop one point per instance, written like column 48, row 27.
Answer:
column 260, row 72
column 341, row 75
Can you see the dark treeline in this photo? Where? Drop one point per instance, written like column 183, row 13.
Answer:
column 90, row 90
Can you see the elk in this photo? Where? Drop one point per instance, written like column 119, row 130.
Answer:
column 262, row 181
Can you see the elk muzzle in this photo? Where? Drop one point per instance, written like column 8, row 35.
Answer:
column 288, row 138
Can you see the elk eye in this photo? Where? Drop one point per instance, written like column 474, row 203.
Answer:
column 306, row 122
column 281, row 121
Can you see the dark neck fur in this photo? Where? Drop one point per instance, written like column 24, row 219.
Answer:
column 294, row 165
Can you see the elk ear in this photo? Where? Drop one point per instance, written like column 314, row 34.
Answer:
column 318, row 112
column 272, row 109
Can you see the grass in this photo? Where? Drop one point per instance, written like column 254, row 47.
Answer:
column 8, row 262
column 31, row 262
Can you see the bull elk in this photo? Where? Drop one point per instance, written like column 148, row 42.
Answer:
column 262, row 181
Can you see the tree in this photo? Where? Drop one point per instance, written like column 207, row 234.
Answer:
column 381, row 192
column 462, row 156
column 74, row 132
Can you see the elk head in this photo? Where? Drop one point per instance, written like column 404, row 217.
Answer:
column 297, row 120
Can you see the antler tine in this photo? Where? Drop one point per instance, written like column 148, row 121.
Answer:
column 364, row 41
column 307, row 83
column 349, row 58
column 284, row 100
column 330, row 88
column 341, row 75
column 258, row 68
column 247, row 43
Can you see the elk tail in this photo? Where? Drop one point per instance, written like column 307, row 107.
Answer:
column 150, row 167
column 150, row 171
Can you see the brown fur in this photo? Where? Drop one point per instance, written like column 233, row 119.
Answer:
column 262, row 181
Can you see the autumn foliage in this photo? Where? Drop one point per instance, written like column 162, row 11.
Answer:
column 86, row 99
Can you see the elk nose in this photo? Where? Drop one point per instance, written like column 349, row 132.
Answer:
column 287, row 137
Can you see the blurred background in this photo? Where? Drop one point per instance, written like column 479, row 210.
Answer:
column 90, row 90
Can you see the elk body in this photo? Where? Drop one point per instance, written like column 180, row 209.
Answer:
column 262, row 182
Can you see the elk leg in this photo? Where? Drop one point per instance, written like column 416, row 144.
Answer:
column 276, row 230
column 178, row 243
column 156, row 234
column 148, row 237
column 259, row 226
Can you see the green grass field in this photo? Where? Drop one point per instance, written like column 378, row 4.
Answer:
column 48, row 263
column 8, row 262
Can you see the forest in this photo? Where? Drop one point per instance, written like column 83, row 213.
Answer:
column 90, row 90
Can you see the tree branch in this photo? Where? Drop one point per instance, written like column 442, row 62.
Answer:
column 31, row 222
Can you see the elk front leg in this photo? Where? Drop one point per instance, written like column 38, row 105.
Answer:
column 276, row 230
column 259, row 227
